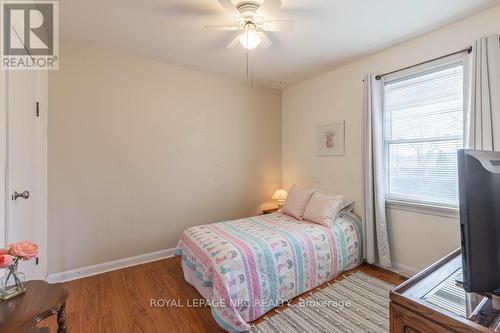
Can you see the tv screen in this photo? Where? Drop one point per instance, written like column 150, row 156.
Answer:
column 479, row 187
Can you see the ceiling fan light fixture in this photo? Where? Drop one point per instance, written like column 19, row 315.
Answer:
column 250, row 39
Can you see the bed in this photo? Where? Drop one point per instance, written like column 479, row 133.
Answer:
column 245, row 268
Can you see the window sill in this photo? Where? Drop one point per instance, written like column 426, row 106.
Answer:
column 448, row 212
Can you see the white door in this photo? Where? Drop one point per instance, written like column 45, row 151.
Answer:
column 26, row 208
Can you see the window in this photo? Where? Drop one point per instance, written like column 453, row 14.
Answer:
column 423, row 128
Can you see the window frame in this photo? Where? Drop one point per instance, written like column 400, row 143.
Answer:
column 394, row 202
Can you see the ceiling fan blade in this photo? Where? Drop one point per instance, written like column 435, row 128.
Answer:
column 265, row 42
column 229, row 6
column 223, row 27
column 269, row 5
column 234, row 43
column 278, row 25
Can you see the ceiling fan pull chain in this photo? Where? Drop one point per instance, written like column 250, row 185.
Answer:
column 251, row 72
column 248, row 61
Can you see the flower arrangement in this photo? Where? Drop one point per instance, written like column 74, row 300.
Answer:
column 12, row 284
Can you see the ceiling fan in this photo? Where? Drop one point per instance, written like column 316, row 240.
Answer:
column 250, row 22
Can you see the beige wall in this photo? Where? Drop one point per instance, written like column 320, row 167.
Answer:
column 140, row 150
column 417, row 239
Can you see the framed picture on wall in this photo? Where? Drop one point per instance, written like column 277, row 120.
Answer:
column 331, row 139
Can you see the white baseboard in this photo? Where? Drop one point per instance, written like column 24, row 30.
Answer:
column 403, row 270
column 406, row 271
column 109, row 266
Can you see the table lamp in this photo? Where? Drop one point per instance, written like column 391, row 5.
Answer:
column 280, row 196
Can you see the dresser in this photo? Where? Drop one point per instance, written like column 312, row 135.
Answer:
column 433, row 301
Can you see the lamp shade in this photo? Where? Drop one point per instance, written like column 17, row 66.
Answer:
column 249, row 39
column 280, row 195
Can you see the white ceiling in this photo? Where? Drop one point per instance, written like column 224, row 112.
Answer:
column 327, row 33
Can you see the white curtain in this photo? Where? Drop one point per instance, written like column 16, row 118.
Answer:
column 483, row 104
column 376, row 238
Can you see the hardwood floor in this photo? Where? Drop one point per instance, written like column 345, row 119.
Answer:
column 120, row 301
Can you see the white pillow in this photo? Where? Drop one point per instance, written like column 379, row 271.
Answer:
column 348, row 206
column 324, row 208
column 296, row 202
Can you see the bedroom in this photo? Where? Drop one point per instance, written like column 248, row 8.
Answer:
column 149, row 125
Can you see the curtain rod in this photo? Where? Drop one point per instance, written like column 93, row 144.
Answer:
column 468, row 50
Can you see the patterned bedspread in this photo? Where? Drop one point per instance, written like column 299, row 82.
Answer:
column 254, row 264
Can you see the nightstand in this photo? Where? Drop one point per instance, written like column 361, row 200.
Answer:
column 269, row 211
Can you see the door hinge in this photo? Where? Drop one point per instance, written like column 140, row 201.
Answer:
column 37, row 111
column 37, row 261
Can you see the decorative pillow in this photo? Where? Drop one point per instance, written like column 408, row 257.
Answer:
column 296, row 202
column 324, row 208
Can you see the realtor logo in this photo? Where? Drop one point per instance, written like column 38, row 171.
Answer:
column 30, row 36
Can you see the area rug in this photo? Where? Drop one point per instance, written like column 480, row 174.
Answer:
column 357, row 304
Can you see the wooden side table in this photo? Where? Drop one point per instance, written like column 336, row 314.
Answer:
column 41, row 300
column 269, row 211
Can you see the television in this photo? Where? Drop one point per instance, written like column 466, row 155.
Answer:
column 479, row 193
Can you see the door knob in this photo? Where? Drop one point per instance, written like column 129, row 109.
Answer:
column 24, row 195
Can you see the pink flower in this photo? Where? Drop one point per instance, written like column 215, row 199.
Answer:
column 6, row 260
column 24, row 250
column 4, row 251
